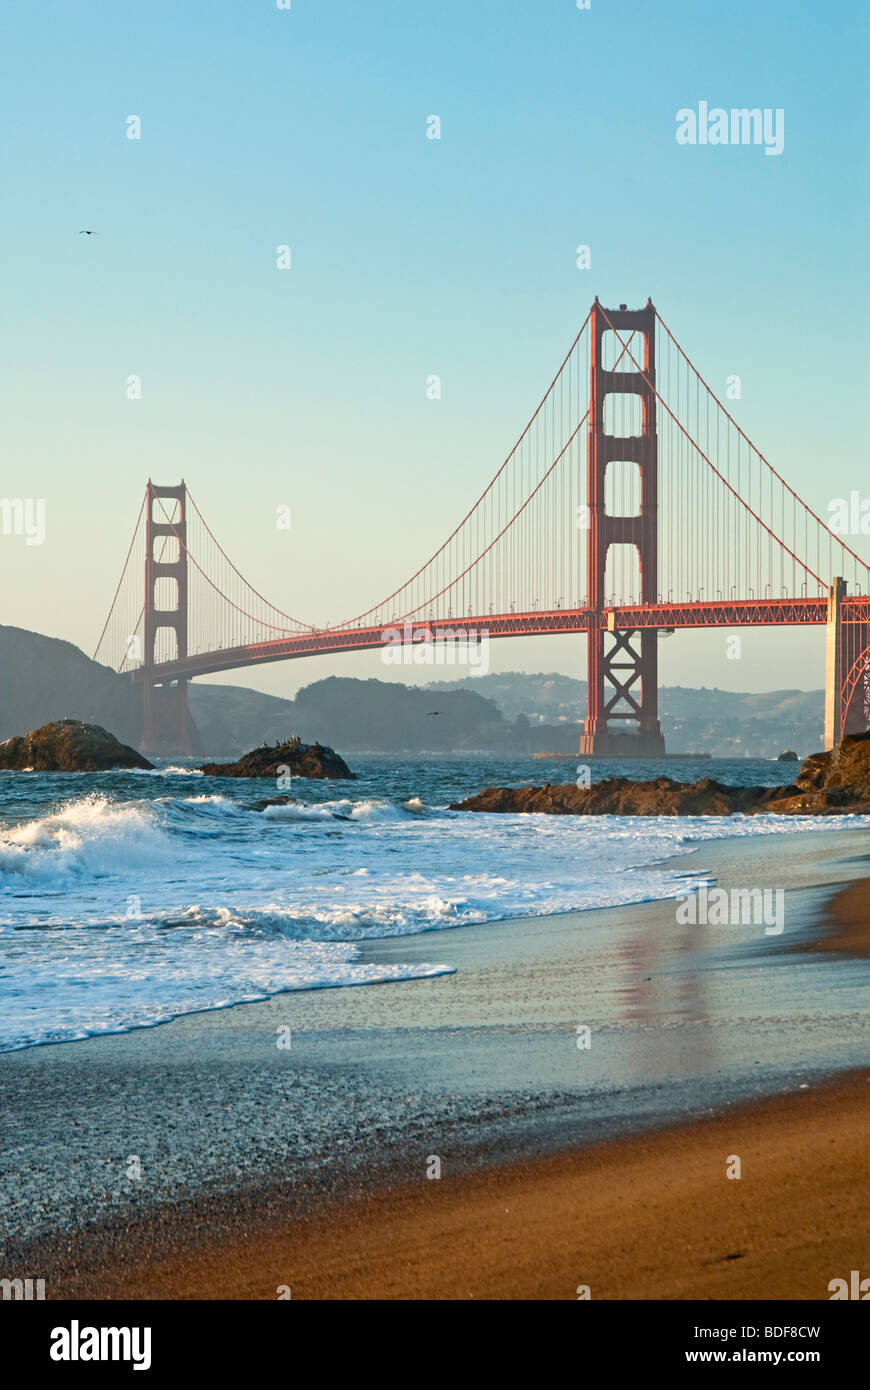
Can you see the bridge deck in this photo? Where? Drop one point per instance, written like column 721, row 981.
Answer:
column 666, row 616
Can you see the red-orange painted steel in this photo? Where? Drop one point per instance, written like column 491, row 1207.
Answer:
column 664, row 616
column 622, row 663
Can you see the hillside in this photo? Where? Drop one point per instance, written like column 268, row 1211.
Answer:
column 232, row 719
column 724, row 723
column 44, row 678
column 349, row 714
column 378, row 715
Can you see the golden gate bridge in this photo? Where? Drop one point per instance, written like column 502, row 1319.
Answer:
column 631, row 505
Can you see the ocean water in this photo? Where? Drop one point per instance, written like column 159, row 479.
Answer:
column 128, row 898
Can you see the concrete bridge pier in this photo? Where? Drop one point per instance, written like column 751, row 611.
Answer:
column 167, row 727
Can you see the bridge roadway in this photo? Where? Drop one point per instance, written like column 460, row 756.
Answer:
column 667, row 616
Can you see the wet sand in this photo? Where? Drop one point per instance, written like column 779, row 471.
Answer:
column 253, row 1158
column 651, row 1218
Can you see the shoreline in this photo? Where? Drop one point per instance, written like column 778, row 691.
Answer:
column 241, row 1150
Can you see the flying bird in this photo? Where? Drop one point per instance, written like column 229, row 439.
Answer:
column 85, row 232
column 432, row 712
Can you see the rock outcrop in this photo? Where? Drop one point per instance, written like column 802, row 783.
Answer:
column 845, row 770
column 835, row 783
column 292, row 758
column 67, row 745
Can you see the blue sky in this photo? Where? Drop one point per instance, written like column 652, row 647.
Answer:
column 306, row 127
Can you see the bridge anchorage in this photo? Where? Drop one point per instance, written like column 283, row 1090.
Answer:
column 631, row 505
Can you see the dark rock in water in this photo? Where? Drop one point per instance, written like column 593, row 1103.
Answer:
column 67, row 745
column 292, row 758
column 835, row 783
column 620, row 797
column 788, row 755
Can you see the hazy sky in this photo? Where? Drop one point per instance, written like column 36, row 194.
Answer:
column 306, row 127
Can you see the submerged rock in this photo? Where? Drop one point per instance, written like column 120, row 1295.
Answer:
column 68, row 745
column 835, row 783
column 292, row 758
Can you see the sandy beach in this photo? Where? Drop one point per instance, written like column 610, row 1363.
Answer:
column 306, row 1166
column 651, row 1218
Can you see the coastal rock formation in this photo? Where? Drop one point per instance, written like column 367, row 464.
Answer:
column 788, row 755
column 846, row 769
column 618, row 796
column 835, row 783
column 67, row 745
column 292, row 758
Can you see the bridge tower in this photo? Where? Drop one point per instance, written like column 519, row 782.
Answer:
column 166, row 724
column 622, row 665
column 847, row 668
